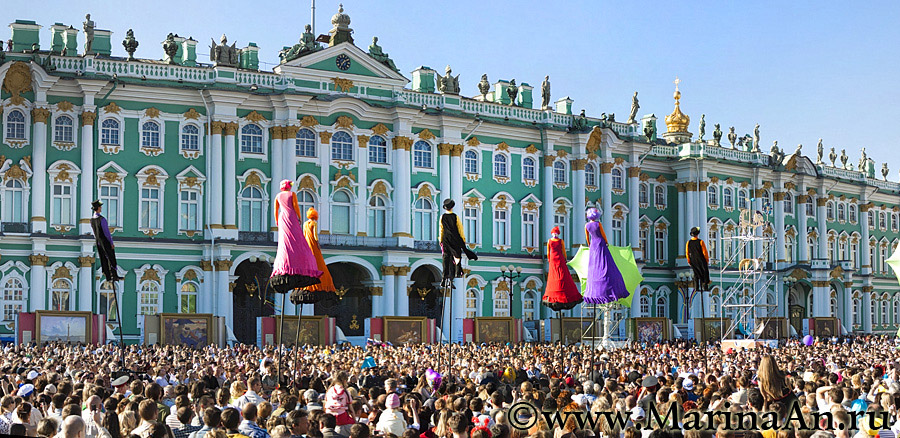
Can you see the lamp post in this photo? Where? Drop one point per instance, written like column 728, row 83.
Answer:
column 510, row 273
column 683, row 282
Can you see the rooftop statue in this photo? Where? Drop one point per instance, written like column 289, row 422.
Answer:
column 611, row 117
column 820, row 151
column 545, row 93
column 306, row 45
column 717, row 135
column 799, row 147
column 447, row 84
column 884, row 170
column 702, row 126
column 170, row 47
column 844, row 158
column 512, row 91
column 755, row 139
column 732, row 137
column 484, row 87
column 648, row 132
column 380, row 56
column 223, row 54
column 130, row 44
column 862, row 161
column 635, row 106
column 833, row 157
column 88, row 35
column 579, row 123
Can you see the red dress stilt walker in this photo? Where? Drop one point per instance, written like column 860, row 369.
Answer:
column 561, row 292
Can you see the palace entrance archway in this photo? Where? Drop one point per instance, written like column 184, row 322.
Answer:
column 424, row 296
column 352, row 303
column 251, row 297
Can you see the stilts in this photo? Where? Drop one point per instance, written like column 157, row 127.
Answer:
column 448, row 290
column 119, row 316
column 281, row 341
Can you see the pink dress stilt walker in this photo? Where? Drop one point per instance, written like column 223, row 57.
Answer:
column 295, row 265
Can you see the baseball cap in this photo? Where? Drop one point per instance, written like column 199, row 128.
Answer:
column 638, row 413
column 32, row 375
column 25, row 390
column 688, row 384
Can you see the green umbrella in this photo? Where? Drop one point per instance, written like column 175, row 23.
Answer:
column 894, row 263
column 623, row 257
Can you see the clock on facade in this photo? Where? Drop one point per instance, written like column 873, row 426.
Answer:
column 343, row 62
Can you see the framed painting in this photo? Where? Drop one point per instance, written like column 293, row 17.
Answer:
column 312, row 330
column 651, row 329
column 573, row 329
column 772, row 328
column 63, row 326
column 188, row 329
column 826, row 327
column 494, row 329
column 404, row 329
column 711, row 329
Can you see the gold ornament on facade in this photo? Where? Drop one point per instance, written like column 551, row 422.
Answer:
column 151, row 177
column 363, row 140
column 530, row 206
column 634, row 172
column 502, row 146
column 354, row 324
column 380, row 129
column 61, row 272
column 502, row 286
column 561, row 154
column 548, row 160
column 290, row 131
column 380, row 188
column 253, row 180
column 578, row 164
column 531, row 149
column 17, row 82
column 85, row 261
column 325, row 137
column 150, row 274
column 112, row 108
column 341, row 291
column 424, row 192
column 444, row 148
column 231, row 128
column 63, row 175
column 191, row 182
column 217, row 127
column 400, row 142
column 192, row 114
column 426, row 134
column 111, row 177
column 151, row 112
column 308, row 121
column 644, row 177
column 473, row 202
column 661, row 179
column 64, row 106
column 307, row 182
column 502, row 202
column 15, row 172
column 473, row 141
column 255, row 117
column 343, row 84
column 837, row 273
column 88, row 118
column 606, row 167
column 38, row 259
column 561, row 208
column 222, row 265
column 206, row 265
column 190, row 275
column 677, row 121
column 594, row 140
column 344, row 122
column 40, row 115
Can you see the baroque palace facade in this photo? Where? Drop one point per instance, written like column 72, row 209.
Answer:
column 187, row 156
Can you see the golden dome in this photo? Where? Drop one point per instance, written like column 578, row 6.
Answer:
column 677, row 121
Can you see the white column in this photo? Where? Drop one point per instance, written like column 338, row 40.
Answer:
column 703, row 212
column 388, row 293
column 37, row 289
column 87, row 168
column 402, row 202
column 606, row 197
column 456, row 178
column 401, row 294
column 867, row 307
column 459, row 305
column 821, row 301
column 578, row 193
column 779, row 228
column 822, row 227
column 224, row 301
column 289, row 153
column 277, row 134
column 378, row 300
column 634, row 211
column 214, row 181
column 325, row 178
column 690, row 215
column 86, row 279
column 682, row 219
column 444, row 172
column 802, row 232
column 547, row 186
column 865, row 247
column 362, row 204
column 847, row 316
column 230, row 177
column 206, row 288
column 39, row 169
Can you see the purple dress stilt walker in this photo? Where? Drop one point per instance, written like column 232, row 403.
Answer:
column 604, row 283
column 295, row 265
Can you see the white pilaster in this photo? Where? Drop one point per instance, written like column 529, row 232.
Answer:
column 606, row 200
column 37, row 288
column 459, row 305
column 547, row 187
column 224, row 301
column 86, row 282
column 822, row 228
column 205, row 303
column 39, row 169
column 634, row 212
column 444, row 171
column 277, row 169
column 456, row 178
column 230, row 177
column 802, row 232
column 402, row 194
column 779, row 228
column 703, row 211
column 682, row 219
column 87, row 168
column 388, row 297
column 214, row 180
column 362, row 203
column 578, row 201
column 690, row 215
column 865, row 247
column 867, row 309
column 401, row 294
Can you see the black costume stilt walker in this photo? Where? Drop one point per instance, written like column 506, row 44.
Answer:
column 698, row 259
column 453, row 245
column 106, row 251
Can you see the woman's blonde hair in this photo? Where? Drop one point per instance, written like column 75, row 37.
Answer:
column 238, row 388
column 128, row 421
column 771, row 379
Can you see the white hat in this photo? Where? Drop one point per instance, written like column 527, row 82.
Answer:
column 638, row 413
column 32, row 375
column 688, row 384
column 25, row 390
column 50, row 389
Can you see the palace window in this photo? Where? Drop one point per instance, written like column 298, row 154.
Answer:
column 618, row 182
column 251, row 139
column 882, row 221
column 871, row 219
column 873, row 250
column 252, row 209
column 14, row 201
column 501, row 228
column 342, row 146
column 423, row 219
column 714, row 306
column 645, row 306
column 64, row 130
column 471, row 303
column 829, row 211
column 856, row 319
column 150, row 135
column 377, row 216
column 660, row 196
column 15, row 125
column 109, row 132
column 13, row 298
column 471, row 162
column 187, row 297
column 644, row 194
column 106, row 305
column 894, row 222
column 305, row 143
column 661, row 306
column 471, row 223
column 423, row 155
column 618, row 232
column 529, row 230
column 590, row 175
column 190, row 138
column 789, row 250
column 645, row 242
column 501, row 166
column 895, row 307
column 110, row 197
column 149, row 299
column 189, row 210
column 62, row 212
column 873, row 312
column 528, row 169
column 884, row 313
column 560, row 175
column 60, row 293
column 831, row 252
column 501, row 302
column 854, row 253
column 743, row 199
column 727, row 245
column 712, row 244
column 810, row 209
column 852, row 213
column 341, row 212
column 727, row 197
column 529, row 305
column 306, row 199
column 788, row 203
column 661, row 241
column 841, row 212
column 150, row 208
column 561, row 221
column 712, row 195
column 884, row 259
column 377, row 150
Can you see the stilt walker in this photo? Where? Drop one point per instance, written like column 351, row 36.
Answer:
column 453, row 245
column 698, row 259
column 560, row 293
column 605, row 284
column 106, row 251
column 295, row 265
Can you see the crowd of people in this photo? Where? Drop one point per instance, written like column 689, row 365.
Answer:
column 848, row 387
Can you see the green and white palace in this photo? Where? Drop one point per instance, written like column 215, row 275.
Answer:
column 186, row 157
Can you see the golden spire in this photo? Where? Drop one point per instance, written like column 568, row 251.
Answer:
column 677, row 121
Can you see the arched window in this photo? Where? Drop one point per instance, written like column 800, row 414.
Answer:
column 661, row 236
column 13, row 298
column 854, row 252
column 712, row 243
column 252, row 209
column 64, row 130
column 645, row 306
column 884, row 313
column 377, row 216
column 590, row 175
column 107, row 302
column 342, row 146
column 644, row 235
column 714, row 306
column 529, row 305
column 829, row 211
column 471, row 162
column 894, row 221
column 528, row 169
column 150, row 135
column 501, row 302
column 251, row 139
column 856, row 318
column 712, row 195
column 560, row 176
column 788, row 203
column 882, row 221
column 659, row 196
column 789, row 249
column 852, row 213
column 644, row 194
column 149, row 299
column 618, row 182
column 190, row 138
column 472, row 222
column 529, row 229
column 306, row 199
column 15, row 125
column 471, row 303
column 109, row 132
column 423, row 219
column 378, row 150
column 895, row 307
column 842, row 212
column 422, row 155
column 834, row 306
column 661, row 308
column 14, row 201
column 60, row 290
column 187, row 297
column 873, row 316
column 743, row 199
column 727, row 197
column 341, row 207
column 810, row 207
column 305, row 143
column 501, row 166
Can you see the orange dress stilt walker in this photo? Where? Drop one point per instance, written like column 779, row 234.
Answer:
column 311, row 231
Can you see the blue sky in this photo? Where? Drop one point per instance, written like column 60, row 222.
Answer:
column 803, row 70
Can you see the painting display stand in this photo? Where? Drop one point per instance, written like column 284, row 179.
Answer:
column 493, row 330
column 49, row 325
column 651, row 330
column 278, row 330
